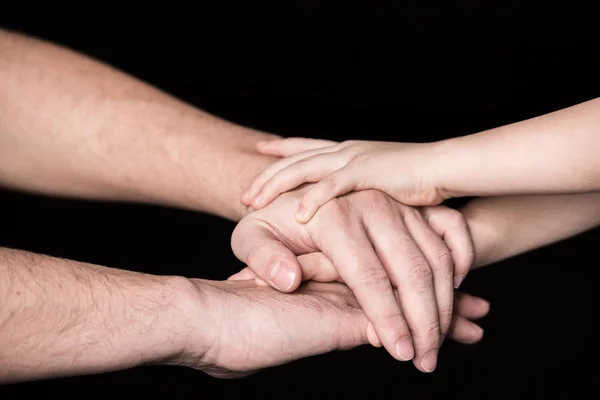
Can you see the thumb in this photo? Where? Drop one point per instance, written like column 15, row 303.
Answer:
column 274, row 263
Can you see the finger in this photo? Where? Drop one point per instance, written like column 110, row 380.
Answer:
column 318, row 267
column 453, row 228
column 349, row 249
column 410, row 272
column 372, row 336
column 439, row 258
column 271, row 261
column 340, row 182
column 260, row 282
column 464, row 331
column 263, row 177
column 470, row 307
column 309, row 169
column 242, row 275
column 289, row 146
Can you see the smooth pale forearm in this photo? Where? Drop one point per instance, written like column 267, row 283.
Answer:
column 503, row 227
column 551, row 154
column 62, row 318
column 72, row 126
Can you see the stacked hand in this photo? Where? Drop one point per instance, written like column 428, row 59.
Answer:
column 400, row 262
column 400, row 170
column 254, row 327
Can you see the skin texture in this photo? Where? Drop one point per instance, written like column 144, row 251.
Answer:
column 118, row 319
column 501, row 226
column 521, row 157
column 389, row 247
column 71, row 126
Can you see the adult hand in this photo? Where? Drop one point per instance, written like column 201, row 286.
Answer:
column 377, row 245
column 467, row 308
column 253, row 327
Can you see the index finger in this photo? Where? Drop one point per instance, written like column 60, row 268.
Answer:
column 346, row 243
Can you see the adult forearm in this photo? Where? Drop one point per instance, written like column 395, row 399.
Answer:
column 72, row 126
column 552, row 154
column 503, row 227
column 60, row 317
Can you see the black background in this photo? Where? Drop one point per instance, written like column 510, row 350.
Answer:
column 372, row 71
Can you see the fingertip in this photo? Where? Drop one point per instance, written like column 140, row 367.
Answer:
column 303, row 215
column 258, row 201
column 285, row 277
column 485, row 306
column 246, row 199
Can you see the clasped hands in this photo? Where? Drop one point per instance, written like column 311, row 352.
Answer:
column 397, row 269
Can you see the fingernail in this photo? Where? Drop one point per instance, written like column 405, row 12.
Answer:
column 458, row 280
column 282, row 276
column 404, row 349
column 429, row 361
column 258, row 200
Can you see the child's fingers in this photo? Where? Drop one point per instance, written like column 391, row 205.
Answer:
column 310, row 169
column 290, row 146
column 338, row 183
column 263, row 177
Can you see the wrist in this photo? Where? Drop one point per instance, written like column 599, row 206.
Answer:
column 443, row 164
column 194, row 325
column 486, row 236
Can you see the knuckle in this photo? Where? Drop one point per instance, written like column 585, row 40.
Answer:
column 378, row 199
column 444, row 263
column 446, row 315
column 338, row 211
column 419, row 272
column 329, row 183
column 390, row 319
column 433, row 331
column 374, row 277
column 348, row 143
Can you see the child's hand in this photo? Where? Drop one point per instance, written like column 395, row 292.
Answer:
column 398, row 169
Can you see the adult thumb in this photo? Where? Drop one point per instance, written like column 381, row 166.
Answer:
column 274, row 263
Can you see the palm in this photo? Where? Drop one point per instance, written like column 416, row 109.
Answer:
column 259, row 327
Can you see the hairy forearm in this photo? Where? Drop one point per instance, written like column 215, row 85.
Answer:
column 72, row 126
column 556, row 153
column 503, row 227
column 61, row 317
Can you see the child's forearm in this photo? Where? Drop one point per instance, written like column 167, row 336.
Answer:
column 552, row 154
column 503, row 227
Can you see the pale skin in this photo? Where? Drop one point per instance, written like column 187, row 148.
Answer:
column 556, row 153
column 71, row 126
column 566, row 196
